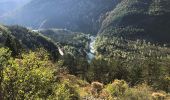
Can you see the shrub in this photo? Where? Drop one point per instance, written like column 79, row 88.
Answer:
column 4, row 57
column 96, row 88
column 33, row 77
column 61, row 92
column 117, row 88
column 158, row 96
column 140, row 92
column 28, row 78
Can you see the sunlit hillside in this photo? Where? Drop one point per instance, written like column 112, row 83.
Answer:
column 84, row 50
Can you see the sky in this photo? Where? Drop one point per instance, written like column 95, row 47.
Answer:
column 10, row 5
column 13, row 0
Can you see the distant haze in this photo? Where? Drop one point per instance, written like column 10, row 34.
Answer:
column 14, row 1
column 10, row 5
column 75, row 15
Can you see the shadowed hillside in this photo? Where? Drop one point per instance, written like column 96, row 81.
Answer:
column 75, row 15
column 124, row 18
column 20, row 39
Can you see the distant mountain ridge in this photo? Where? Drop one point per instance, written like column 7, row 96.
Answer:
column 75, row 15
column 133, row 19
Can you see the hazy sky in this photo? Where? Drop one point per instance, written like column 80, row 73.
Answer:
column 10, row 5
column 13, row 0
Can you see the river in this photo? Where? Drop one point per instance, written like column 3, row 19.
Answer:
column 91, row 53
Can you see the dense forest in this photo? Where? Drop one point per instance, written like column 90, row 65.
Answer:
column 121, row 68
column 86, row 50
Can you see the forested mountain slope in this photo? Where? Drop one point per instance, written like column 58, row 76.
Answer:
column 75, row 15
column 144, row 19
column 131, row 50
column 134, row 19
column 20, row 39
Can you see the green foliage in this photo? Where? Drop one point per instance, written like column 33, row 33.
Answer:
column 19, row 39
column 67, row 38
column 4, row 57
column 120, row 90
column 32, row 77
column 125, row 8
column 98, row 71
column 28, row 78
column 74, row 45
column 144, row 19
column 140, row 92
column 135, row 61
column 64, row 91
column 9, row 41
column 159, row 7
column 76, row 17
column 121, row 53
column 117, row 88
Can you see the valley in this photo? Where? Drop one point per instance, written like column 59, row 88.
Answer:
column 85, row 50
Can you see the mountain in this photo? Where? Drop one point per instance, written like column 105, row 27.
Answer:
column 133, row 19
column 110, row 49
column 19, row 39
column 75, row 15
column 139, row 19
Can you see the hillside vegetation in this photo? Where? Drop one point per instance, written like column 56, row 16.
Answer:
column 19, row 39
column 131, row 49
column 34, row 76
column 75, row 15
column 125, row 18
column 66, row 37
column 136, row 19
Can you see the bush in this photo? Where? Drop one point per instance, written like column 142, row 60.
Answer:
column 33, row 77
column 62, row 92
column 158, row 96
column 28, row 78
column 117, row 88
column 4, row 57
column 140, row 92
column 96, row 88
